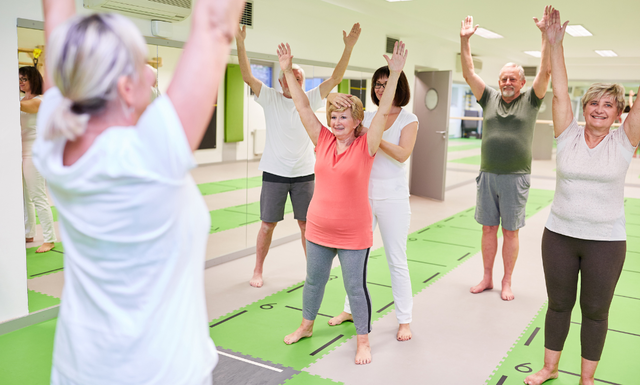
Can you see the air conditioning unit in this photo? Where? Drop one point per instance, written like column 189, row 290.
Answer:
column 163, row 10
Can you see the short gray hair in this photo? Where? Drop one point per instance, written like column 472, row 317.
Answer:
column 518, row 67
column 86, row 57
column 295, row 67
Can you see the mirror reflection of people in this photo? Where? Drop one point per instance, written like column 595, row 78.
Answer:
column 339, row 218
column 33, row 184
column 132, row 220
column 584, row 240
column 389, row 192
column 505, row 167
column 287, row 161
column 155, row 92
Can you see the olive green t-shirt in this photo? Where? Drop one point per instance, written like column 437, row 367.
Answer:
column 507, row 132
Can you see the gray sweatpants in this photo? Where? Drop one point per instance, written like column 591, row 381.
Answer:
column 354, row 273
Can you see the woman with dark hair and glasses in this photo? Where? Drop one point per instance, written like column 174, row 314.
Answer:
column 389, row 192
column 34, row 190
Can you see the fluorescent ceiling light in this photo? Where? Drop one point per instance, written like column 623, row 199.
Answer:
column 578, row 31
column 606, row 53
column 487, row 34
column 534, row 53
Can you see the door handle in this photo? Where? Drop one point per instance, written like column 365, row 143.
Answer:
column 441, row 132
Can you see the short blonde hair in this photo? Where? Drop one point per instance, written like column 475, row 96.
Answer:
column 599, row 90
column 357, row 112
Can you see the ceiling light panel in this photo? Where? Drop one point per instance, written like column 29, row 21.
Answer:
column 487, row 34
column 606, row 53
column 534, row 53
column 578, row 31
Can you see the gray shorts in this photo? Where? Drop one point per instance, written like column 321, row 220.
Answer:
column 273, row 196
column 502, row 196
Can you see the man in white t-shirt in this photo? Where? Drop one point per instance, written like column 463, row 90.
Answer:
column 288, row 159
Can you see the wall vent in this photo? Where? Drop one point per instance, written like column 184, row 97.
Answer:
column 530, row 71
column 391, row 41
column 247, row 14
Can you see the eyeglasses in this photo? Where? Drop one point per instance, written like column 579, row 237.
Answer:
column 377, row 86
column 23, row 80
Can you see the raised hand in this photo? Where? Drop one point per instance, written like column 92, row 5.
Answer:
column 241, row 34
column 555, row 30
column 340, row 100
column 285, row 57
column 351, row 39
column 222, row 15
column 399, row 57
column 467, row 27
column 542, row 24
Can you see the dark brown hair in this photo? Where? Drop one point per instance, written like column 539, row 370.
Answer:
column 34, row 78
column 403, row 93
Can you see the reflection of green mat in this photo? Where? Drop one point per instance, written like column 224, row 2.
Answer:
column 236, row 216
column 39, row 264
column 475, row 160
column 619, row 363
column 25, row 354
column 304, row 378
column 39, row 301
column 466, row 140
column 464, row 147
column 432, row 252
column 230, row 185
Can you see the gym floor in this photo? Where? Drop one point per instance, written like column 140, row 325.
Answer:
column 458, row 338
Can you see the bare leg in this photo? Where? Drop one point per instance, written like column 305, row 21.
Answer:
column 363, row 352
column 588, row 372
column 510, row 250
column 303, row 230
column 342, row 317
column 404, row 332
column 305, row 330
column 549, row 371
column 489, row 250
column 262, row 248
column 47, row 246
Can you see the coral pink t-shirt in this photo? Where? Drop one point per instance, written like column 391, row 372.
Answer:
column 339, row 214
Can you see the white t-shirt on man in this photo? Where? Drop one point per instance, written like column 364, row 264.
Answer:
column 288, row 151
column 134, row 228
column 388, row 176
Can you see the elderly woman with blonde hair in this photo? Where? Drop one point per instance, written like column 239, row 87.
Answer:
column 585, row 234
column 132, row 220
column 339, row 217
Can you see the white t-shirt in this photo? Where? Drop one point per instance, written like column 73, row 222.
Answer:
column 388, row 176
column 589, row 197
column 28, row 128
column 288, row 151
column 135, row 228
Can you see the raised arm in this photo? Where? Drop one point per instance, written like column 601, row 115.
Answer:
column 194, row 87
column 350, row 41
column 541, row 82
column 56, row 12
column 632, row 123
column 243, row 60
column 30, row 106
column 404, row 148
column 307, row 116
column 562, row 112
column 376, row 129
column 473, row 80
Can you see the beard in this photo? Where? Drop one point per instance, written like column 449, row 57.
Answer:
column 508, row 92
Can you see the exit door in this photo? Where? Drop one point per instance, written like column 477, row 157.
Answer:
column 431, row 102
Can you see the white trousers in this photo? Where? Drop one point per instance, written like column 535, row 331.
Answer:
column 394, row 217
column 35, row 198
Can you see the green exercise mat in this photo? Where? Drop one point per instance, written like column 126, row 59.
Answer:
column 475, row 160
column 26, row 354
column 39, row 301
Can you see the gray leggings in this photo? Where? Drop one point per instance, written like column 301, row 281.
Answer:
column 354, row 275
column 600, row 264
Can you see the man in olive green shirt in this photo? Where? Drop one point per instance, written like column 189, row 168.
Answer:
column 507, row 134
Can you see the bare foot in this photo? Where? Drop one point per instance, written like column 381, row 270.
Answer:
column 305, row 330
column 344, row 316
column 507, row 294
column 29, row 240
column 543, row 375
column 45, row 247
column 404, row 332
column 485, row 284
column 363, row 352
column 256, row 281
